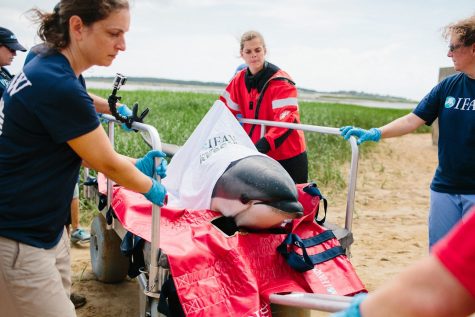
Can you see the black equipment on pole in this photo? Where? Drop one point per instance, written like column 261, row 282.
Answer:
column 119, row 81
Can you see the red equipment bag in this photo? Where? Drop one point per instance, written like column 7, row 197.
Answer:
column 220, row 275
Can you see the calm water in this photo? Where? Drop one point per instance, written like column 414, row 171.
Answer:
column 366, row 103
column 314, row 97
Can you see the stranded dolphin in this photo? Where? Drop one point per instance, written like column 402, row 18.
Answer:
column 257, row 192
column 219, row 168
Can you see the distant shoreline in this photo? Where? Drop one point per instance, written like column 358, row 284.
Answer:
column 210, row 88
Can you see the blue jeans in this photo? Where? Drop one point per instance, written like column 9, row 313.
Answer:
column 445, row 211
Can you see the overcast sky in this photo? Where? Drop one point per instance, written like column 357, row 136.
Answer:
column 384, row 47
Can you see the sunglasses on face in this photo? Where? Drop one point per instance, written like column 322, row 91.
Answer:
column 454, row 47
column 11, row 50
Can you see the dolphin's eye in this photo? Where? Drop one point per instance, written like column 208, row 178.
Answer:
column 244, row 199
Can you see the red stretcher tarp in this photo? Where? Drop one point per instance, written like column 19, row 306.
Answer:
column 220, row 275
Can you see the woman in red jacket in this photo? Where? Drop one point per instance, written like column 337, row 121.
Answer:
column 264, row 91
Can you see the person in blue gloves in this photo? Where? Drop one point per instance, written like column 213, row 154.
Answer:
column 452, row 101
column 78, row 234
column 50, row 127
column 442, row 284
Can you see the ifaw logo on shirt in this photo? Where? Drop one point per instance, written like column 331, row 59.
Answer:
column 214, row 144
column 459, row 103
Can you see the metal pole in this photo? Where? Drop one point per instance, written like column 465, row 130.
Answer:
column 156, row 273
column 320, row 302
column 156, row 276
column 110, row 183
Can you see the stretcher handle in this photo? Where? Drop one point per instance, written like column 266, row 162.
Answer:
column 320, row 302
column 155, row 276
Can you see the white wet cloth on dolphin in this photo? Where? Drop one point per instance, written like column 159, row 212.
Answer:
column 217, row 141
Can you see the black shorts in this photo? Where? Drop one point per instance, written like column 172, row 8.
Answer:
column 297, row 167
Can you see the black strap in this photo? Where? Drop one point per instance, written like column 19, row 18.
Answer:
column 312, row 189
column 325, row 205
column 304, row 262
column 313, row 241
column 102, row 201
column 327, row 255
column 169, row 303
column 132, row 247
column 280, row 140
column 259, row 100
column 110, row 215
column 164, row 294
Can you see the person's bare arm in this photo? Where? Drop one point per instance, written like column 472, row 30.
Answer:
column 401, row 126
column 95, row 149
column 424, row 289
column 101, row 104
column 130, row 159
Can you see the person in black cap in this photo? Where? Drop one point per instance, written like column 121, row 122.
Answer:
column 8, row 47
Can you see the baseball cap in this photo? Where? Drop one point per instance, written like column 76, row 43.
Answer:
column 9, row 39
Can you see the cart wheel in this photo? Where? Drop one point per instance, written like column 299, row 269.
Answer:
column 108, row 264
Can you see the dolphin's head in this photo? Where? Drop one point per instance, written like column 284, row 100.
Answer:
column 258, row 192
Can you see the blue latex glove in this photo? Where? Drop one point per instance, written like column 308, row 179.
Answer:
column 354, row 309
column 373, row 134
column 124, row 111
column 146, row 164
column 157, row 193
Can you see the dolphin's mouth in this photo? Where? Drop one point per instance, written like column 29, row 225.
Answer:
column 288, row 206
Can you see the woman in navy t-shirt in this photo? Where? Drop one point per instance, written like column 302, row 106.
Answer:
column 49, row 128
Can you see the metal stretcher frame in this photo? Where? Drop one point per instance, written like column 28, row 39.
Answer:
column 157, row 275
column 350, row 198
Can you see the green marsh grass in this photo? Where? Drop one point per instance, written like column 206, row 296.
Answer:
column 176, row 114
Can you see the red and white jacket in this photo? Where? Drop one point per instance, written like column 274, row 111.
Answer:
column 268, row 95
